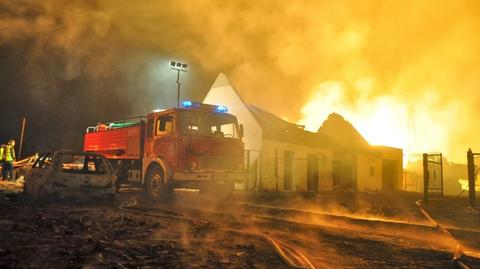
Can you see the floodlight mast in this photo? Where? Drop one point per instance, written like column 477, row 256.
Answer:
column 179, row 67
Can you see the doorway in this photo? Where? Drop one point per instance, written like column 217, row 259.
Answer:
column 288, row 170
column 388, row 174
column 312, row 173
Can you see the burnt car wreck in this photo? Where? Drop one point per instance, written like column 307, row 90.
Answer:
column 65, row 173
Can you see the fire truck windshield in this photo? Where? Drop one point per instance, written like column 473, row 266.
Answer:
column 208, row 124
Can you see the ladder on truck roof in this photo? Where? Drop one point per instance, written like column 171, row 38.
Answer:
column 128, row 122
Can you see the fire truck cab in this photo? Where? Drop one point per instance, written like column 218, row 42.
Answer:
column 194, row 146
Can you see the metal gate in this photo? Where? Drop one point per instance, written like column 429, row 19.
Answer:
column 432, row 176
column 252, row 166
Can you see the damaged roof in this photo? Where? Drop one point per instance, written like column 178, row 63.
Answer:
column 336, row 133
column 278, row 129
column 342, row 132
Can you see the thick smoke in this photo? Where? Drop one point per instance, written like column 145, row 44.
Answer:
column 102, row 60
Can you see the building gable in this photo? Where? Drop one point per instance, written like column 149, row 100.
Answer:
column 222, row 92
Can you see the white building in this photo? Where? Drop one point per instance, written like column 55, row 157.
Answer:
column 285, row 157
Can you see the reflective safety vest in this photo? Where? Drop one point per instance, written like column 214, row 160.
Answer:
column 9, row 153
column 2, row 149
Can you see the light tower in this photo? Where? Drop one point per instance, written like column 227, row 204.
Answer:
column 179, row 67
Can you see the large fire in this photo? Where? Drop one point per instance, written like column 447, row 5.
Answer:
column 464, row 184
column 383, row 120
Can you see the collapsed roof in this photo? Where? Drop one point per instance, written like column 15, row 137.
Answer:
column 278, row 129
column 342, row 132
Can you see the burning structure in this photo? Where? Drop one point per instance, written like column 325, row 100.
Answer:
column 284, row 157
column 358, row 164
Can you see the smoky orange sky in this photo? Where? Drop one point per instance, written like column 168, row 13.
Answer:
column 405, row 73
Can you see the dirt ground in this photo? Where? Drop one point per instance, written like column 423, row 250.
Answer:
column 98, row 235
column 198, row 232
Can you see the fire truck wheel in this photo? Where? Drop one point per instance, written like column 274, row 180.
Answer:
column 156, row 187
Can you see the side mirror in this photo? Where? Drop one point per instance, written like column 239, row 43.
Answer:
column 241, row 130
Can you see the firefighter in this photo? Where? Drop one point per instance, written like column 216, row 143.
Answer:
column 2, row 148
column 8, row 159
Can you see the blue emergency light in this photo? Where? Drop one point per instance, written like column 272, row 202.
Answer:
column 205, row 107
column 221, row 109
column 187, row 104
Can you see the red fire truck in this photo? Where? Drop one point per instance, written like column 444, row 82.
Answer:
column 196, row 146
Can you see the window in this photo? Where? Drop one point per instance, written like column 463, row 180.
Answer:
column 44, row 162
column 223, row 130
column 83, row 164
column 228, row 130
column 164, row 125
column 209, row 124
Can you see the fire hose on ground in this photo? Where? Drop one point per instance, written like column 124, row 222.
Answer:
column 458, row 252
column 290, row 255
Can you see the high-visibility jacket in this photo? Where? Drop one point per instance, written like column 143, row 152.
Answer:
column 9, row 153
column 2, row 148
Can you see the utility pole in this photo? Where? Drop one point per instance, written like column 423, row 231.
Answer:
column 24, row 120
column 178, row 88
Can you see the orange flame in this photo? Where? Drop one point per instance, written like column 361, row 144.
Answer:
column 383, row 120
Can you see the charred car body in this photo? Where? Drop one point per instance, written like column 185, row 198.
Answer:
column 197, row 145
column 65, row 173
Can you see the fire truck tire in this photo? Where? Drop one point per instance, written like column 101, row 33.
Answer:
column 156, row 186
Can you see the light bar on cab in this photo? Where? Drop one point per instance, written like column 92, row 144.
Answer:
column 186, row 104
column 222, row 109
column 207, row 107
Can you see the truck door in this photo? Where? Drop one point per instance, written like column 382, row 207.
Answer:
column 164, row 144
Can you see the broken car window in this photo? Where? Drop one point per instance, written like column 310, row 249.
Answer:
column 44, row 162
column 82, row 164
